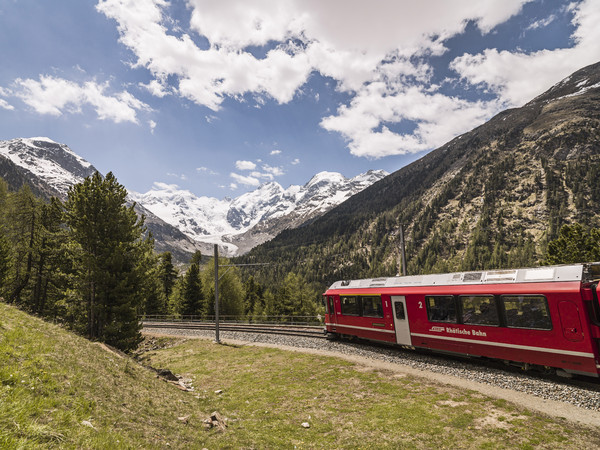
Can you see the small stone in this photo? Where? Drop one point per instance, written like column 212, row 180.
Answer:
column 306, row 424
column 219, row 391
column 167, row 375
column 184, row 419
column 88, row 424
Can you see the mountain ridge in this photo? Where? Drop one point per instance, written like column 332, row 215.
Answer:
column 254, row 217
column 490, row 198
column 51, row 168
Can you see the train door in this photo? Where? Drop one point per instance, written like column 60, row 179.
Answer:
column 331, row 310
column 401, row 320
column 570, row 321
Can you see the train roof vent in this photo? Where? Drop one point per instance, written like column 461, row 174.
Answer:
column 540, row 274
column 378, row 282
column 500, row 275
column 472, row 276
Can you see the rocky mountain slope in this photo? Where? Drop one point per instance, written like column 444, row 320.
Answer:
column 255, row 217
column 50, row 168
column 490, row 198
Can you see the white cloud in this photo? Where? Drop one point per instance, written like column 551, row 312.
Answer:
column 375, row 65
column 295, row 162
column 327, row 31
column 439, row 118
column 245, row 165
column 152, row 125
column 5, row 105
column 246, row 181
column 206, row 170
column 265, row 176
column 275, row 152
column 56, row 96
column 275, row 171
column 542, row 22
column 510, row 74
column 181, row 176
column 156, row 88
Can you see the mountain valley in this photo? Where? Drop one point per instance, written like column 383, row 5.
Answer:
column 181, row 222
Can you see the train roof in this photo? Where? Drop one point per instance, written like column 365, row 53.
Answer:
column 587, row 272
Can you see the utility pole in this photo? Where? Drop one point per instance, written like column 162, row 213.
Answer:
column 229, row 266
column 402, row 251
column 217, row 340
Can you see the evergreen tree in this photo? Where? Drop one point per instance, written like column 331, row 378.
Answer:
column 167, row 274
column 231, row 290
column 575, row 244
column 48, row 279
column 155, row 300
column 22, row 230
column 109, row 258
column 192, row 297
column 294, row 298
column 254, row 297
column 5, row 261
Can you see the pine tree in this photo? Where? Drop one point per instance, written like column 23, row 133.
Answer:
column 253, row 301
column 155, row 300
column 109, row 257
column 23, row 229
column 575, row 244
column 167, row 274
column 192, row 298
column 231, row 290
column 48, row 279
column 5, row 261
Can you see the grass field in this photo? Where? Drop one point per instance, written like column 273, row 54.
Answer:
column 60, row 391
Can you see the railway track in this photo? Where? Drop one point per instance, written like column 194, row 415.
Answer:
column 288, row 330
column 582, row 392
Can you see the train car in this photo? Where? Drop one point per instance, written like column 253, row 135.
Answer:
column 545, row 317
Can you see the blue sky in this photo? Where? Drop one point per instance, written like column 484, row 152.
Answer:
column 217, row 97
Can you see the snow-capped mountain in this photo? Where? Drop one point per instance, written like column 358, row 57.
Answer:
column 50, row 169
column 180, row 221
column 252, row 218
column 48, row 162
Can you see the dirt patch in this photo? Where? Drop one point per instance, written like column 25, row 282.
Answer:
column 452, row 403
column 112, row 350
column 497, row 419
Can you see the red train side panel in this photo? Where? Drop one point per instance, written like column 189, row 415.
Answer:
column 545, row 317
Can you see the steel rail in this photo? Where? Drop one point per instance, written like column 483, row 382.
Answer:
column 289, row 330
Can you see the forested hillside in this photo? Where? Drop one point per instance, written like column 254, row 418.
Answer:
column 491, row 198
column 90, row 263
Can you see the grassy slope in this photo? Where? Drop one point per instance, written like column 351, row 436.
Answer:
column 51, row 382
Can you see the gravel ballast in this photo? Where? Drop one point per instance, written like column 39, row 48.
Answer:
column 579, row 402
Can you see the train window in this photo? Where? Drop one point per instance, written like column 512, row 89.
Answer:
column 441, row 308
column 350, row 306
column 330, row 309
column 400, row 315
column 527, row 311
column 479, row 310
column 371, row 306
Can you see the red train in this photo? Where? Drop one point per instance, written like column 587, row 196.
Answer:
column 546, row 317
